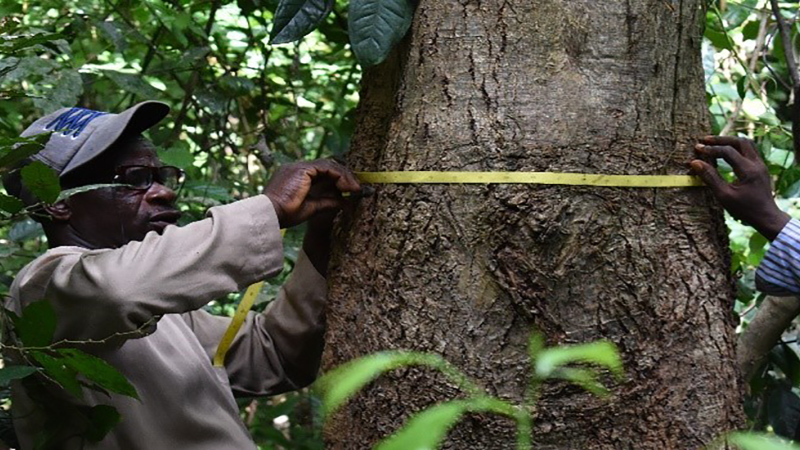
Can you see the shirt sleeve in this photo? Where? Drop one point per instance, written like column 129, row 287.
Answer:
column 104, row 294
column 276, row 351
column 779, row 272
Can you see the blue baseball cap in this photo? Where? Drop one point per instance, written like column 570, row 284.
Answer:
column 81, row 135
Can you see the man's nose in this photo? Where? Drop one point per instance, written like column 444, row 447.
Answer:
column 158, row 193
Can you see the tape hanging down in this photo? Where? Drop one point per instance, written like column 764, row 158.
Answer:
column 571, row 179
column 245, row 305
column 236, row 323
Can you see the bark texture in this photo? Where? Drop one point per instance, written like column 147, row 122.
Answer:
column 468, row 272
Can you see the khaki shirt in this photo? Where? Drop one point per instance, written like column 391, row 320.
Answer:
column 153, row 290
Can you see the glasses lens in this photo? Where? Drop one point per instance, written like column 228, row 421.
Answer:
column 138, row 177
column 171, row 177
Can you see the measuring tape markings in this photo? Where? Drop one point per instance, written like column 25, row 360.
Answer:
column 573, row 179
column 434, row 177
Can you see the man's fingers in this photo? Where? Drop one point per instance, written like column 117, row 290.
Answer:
column 744, row 146
column 726, row 152
column 709, row 175
column 314, row 206
column 345, row 180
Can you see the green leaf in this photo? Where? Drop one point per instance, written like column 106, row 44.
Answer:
column 133, row 84
column 62, row 374
column 14, row 150
column 585, row 378
column 42, row 181
column 750, row 30
column 757, row 248
column 601, row 353
column 24, row 230
column 98, row 371
column 18, row 43
column 37, row 325
column 296, row 18
column 737, row 13
column 428, row 428
column 112, row 31
column 178, row 156
column 9, row 373
column 535, row 345
column 375, row 27
column 344, row 381
column 781, row 158
column 741, row 87
column 59, row 91
column 67, row 193
column 719, row 39
column 102, row 419
column 760, row 441
column 11, row 205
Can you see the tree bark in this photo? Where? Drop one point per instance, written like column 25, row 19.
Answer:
column 468, row 271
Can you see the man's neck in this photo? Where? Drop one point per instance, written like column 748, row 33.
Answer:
column 67, row 236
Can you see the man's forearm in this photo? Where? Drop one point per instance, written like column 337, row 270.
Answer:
column 317, row 245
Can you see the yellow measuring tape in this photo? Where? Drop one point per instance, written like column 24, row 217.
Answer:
column 244, row 307
column 430, row 177
column 574, row 179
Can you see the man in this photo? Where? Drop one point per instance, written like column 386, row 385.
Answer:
column 750, row 200
column 128, row 285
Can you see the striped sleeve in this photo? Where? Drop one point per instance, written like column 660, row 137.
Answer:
column 779, row 272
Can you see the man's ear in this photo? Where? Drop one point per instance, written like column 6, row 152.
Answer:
column 59, row 211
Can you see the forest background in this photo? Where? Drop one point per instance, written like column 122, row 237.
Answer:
column 242, row 106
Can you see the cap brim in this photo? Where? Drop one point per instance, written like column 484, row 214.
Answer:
column 133, row 120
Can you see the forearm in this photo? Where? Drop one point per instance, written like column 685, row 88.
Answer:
column 317, row 242
column 280, row 349
column 105, row 292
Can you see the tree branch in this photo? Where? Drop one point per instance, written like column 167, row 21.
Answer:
column 791, row 65
column 195, row 78
column 773, row 317
column 760, row 39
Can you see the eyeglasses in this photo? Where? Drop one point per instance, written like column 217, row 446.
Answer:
column 140, row 178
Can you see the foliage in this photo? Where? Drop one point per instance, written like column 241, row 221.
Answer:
column 240, row 108
column 758, row 441
column 374, row 26
column 579, row 364
column 749, row 94
column 35, row 353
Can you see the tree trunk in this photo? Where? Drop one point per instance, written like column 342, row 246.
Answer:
column 468, row 271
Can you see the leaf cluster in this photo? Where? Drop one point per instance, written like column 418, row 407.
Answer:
column 748, row 88
column 43, row 366
column 582, row 364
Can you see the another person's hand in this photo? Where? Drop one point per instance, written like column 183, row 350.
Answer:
column 749, row 198
column 299, row 191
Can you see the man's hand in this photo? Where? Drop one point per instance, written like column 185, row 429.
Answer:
column 300, row 191
column 749, row 198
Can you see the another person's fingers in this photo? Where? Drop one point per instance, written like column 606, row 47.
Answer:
column 744, row 146
column 726, row 152
column 710, row 176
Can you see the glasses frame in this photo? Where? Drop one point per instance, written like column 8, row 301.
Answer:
column 154, row 178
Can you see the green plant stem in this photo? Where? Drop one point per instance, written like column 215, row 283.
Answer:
column 525, row 415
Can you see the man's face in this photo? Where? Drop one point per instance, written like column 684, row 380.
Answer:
column 112, row 217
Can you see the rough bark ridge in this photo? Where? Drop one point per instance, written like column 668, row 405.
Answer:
column 468, row 271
